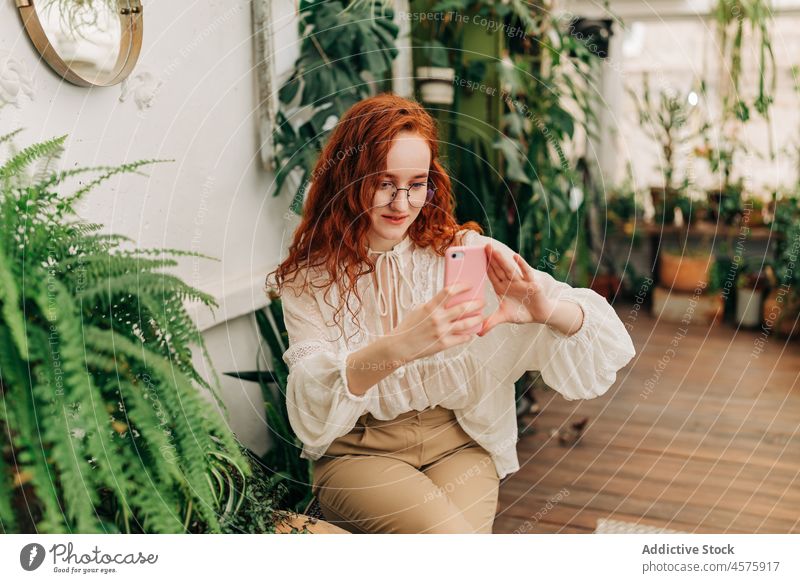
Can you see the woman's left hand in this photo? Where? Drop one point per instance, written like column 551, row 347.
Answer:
column 522, row 298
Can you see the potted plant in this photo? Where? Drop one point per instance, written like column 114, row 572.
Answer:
column 692, row 210
column 106, row 422
column 622, row 208
column 782, row 305
column 434, row 40
column 729, row 204
column 685, row 270
column 606, row 283
column 780, row 313
column 668, row 117
column 436, row 84
column 725, row 201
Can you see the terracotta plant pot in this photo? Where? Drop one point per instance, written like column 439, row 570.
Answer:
column 754, row 217
column 314, row 525
column 684, row 272
column 606, row 285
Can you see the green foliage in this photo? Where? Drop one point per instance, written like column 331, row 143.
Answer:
column 105, row 425
column 732, row 19
column 753, row 273
column 721, row 269
column 688, row 208
column 621, row 205
column 282, row 461
column 727, row 203
column 786, row 226
column 741, row 26
column 438, row 40
column 549, row 99
column 538, row 99
column 541, row 92
column 344, row 56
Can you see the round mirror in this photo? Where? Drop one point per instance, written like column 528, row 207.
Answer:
column 87, row 42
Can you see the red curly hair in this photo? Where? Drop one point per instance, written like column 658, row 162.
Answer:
column 332, row 234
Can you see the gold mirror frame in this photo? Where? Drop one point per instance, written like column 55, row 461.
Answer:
column 129, row 49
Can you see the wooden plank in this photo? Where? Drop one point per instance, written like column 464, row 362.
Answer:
column 514, row 520
column 664, row 511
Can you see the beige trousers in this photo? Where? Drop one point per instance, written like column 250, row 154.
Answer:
column 417, row 473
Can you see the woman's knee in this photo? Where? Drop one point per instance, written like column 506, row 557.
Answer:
column 385, row 495
column 468, row 477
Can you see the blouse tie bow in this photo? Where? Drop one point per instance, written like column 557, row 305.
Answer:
column 394, row 275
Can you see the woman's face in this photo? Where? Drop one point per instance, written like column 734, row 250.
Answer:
column 407, row 164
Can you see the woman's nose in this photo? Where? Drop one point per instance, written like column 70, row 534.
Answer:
column 400, row 202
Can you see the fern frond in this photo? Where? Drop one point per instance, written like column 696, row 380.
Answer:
column 182, row 402
column 10, row 301
column 29, row 451
column 19, row 162
column 66, row 445
column 56, row 178
column 7, row 137
column 175, row 253
column 122, row 168
column 156, row 285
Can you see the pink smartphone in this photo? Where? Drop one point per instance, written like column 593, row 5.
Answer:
column 466, row 264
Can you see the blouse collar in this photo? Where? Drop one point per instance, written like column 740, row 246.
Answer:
column 404, row 244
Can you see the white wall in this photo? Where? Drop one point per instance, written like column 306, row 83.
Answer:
column 191, row 99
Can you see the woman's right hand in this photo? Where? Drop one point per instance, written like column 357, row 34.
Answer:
column 432, row 327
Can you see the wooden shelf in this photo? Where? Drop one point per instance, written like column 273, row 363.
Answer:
column 708, row 229
column 708, row 232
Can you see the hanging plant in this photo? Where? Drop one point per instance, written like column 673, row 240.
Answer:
column 734, row 19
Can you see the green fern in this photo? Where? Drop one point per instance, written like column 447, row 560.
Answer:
column 14, row 167
column 105, row 424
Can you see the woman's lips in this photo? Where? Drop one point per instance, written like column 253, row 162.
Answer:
column 393, row 219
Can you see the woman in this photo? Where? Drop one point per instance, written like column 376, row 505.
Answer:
column 410, row 421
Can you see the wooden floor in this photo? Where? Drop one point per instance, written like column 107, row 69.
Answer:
column 713, row 447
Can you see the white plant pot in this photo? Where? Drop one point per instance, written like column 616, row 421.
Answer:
column 748, row 307
column 436, row 84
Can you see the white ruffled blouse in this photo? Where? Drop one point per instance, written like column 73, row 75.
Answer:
column 475, row 379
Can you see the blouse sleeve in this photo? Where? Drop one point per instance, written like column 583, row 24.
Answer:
column 582, row 365
column 319, row 403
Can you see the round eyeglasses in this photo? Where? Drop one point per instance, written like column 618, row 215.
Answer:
column 418, row 193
